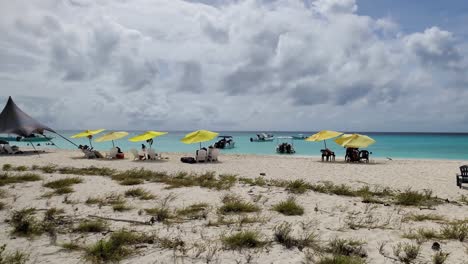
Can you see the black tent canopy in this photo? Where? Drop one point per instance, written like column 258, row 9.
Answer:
column 14, row 121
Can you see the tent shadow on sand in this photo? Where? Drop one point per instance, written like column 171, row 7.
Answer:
column 27, row 153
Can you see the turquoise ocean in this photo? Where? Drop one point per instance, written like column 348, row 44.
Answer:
column 393, row 145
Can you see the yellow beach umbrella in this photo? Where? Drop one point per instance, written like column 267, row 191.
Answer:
column 323, row 135
column 146, row 136
column 88, row 133
column 112, row 136
column 199, row 136
column 354, row 141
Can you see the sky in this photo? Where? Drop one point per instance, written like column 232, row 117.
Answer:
column 233, row 65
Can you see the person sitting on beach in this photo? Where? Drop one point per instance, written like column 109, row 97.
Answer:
column 120, row 154
column 142, row 153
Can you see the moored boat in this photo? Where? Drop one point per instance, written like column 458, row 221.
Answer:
column 263, row 137
column 225, row 142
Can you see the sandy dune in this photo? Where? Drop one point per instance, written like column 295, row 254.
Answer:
column 325, row 214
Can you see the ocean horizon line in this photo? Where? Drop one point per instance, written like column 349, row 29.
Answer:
column 287, row 131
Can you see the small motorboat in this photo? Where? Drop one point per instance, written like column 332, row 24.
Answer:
column 285, row 147
column 225, row 142
column 263, row 137
column 299, row 137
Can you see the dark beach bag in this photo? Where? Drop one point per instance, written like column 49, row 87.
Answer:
column 190, row 160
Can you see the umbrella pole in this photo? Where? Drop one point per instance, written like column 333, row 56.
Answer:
column 113, row 144
column 90, row 144
column 200, row 145
column 325, row 142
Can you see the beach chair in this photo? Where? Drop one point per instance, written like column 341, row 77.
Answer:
column 152, row 154
column 135, row 154
column 463, row 176
column 10, row 150
column 2, row 150
column 364, row 155
column 213, row 154
column 112, row 153
column 98, row 154
column 89, row 154
column 328, row 155
column 201, row 155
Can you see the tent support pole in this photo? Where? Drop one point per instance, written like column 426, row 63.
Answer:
column 66, row 139
column 35, row 150
column 50, row 141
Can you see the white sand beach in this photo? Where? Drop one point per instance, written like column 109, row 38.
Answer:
column 329, row 216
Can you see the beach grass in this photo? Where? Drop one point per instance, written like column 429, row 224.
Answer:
column 92, row 226
column 63, row 183
column 416, row 198
column 339, row 259
column 289, row 207
column 424, row 217
column 16, row 257
column 283, row 235
column 243, row 239
column 25, row 223
column 71, row 246
column 7, row 178
column 406, row 252
column 139, row 193
column 439, row 257
column 116, row 247
column 457, row 230
column 233, row 204
column 160, row 214
column 298, row 186
column 193, row 211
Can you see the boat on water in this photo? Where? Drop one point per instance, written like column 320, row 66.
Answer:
column 299, row 136
column 26, row 139
column 225, row 142
column 285, row 147
column 263, row 137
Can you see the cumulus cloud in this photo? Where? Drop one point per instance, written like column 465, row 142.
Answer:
column 222, row 64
